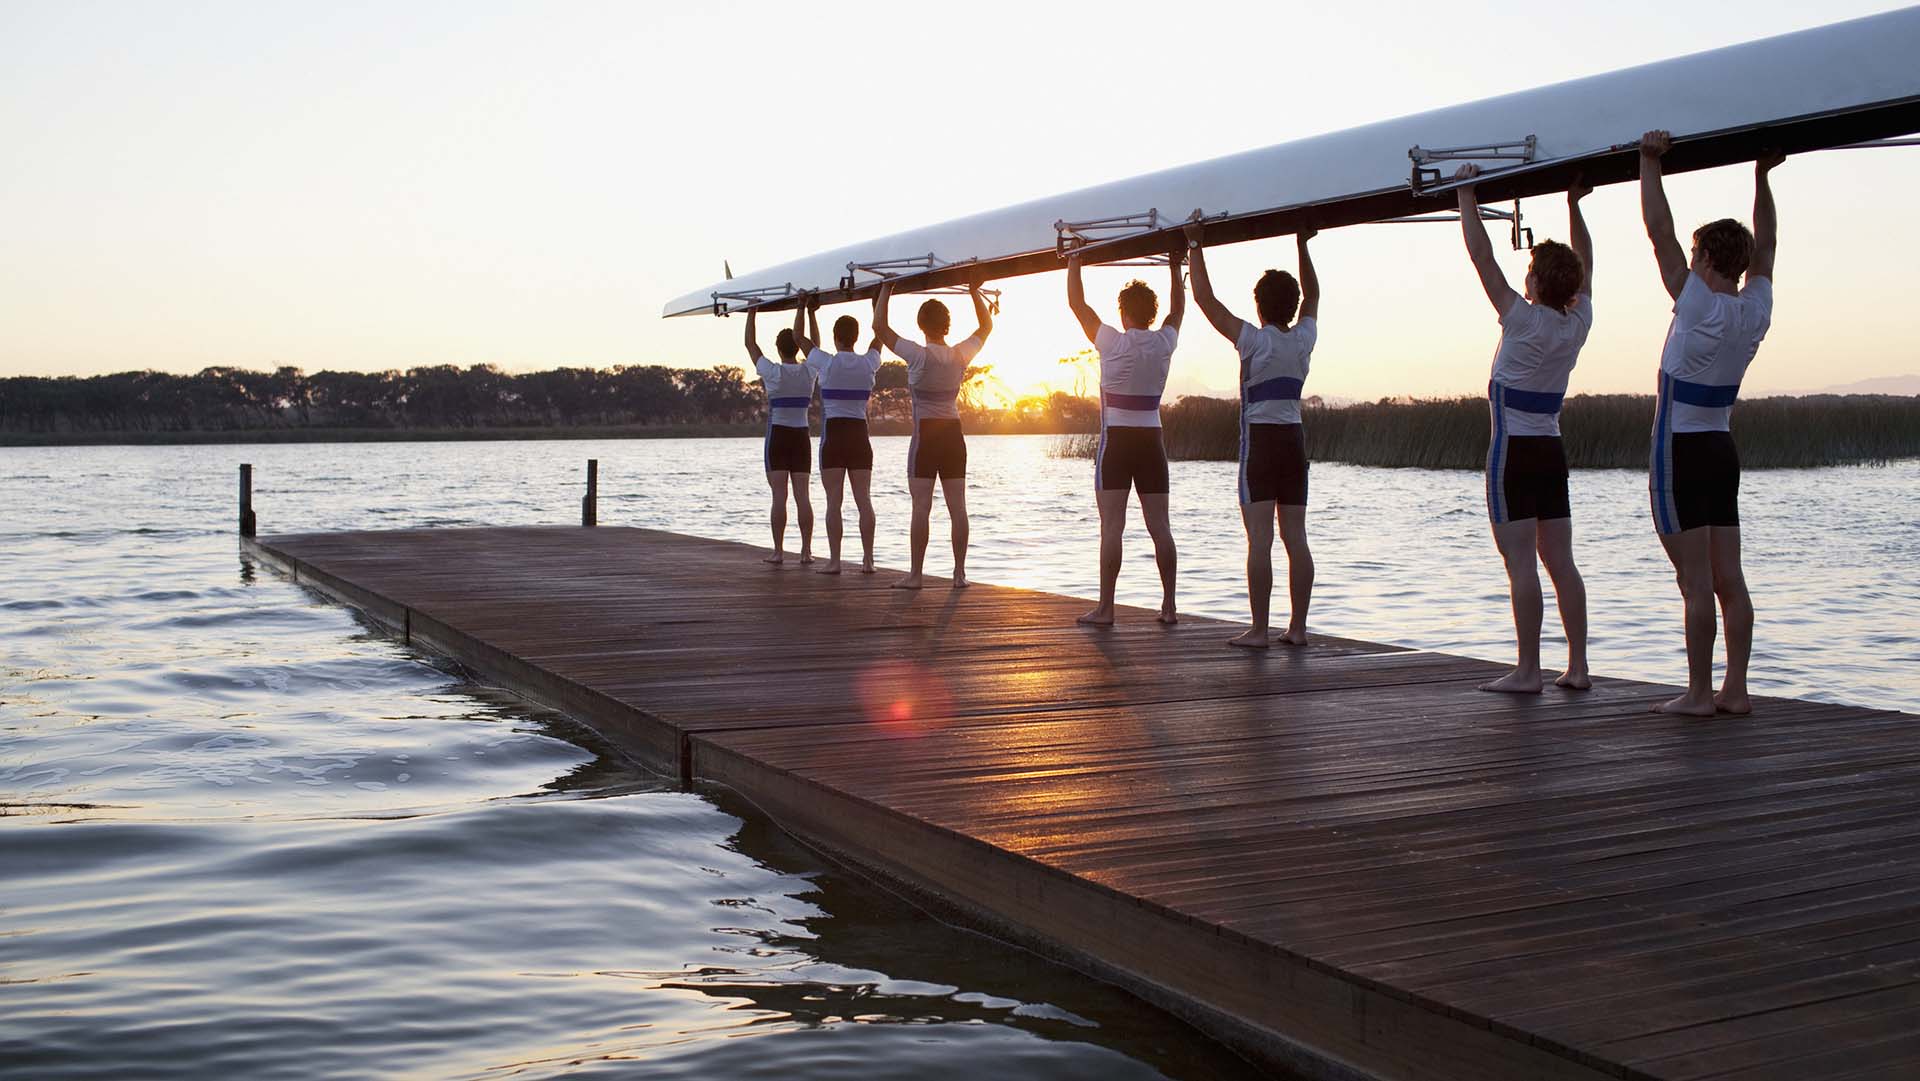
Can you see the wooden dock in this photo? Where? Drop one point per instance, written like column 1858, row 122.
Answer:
column 1341, row 859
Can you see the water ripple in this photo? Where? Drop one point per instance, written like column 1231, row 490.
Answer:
column 247, row 834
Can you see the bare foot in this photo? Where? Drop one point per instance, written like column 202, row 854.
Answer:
column 1167, row 615
column 1574, row 680
column 832, row 567
column 867, row 567
column 1252, row 639
column 806, row 557
column 1099, row 617
column 1514, row 682
column 1295, row 636
column 1688, row 705
column 911, row 581
column 960, row 580
column 776, row 559
column 1735, row 702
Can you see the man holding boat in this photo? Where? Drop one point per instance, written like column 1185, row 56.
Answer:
column 846, row 454
column 785, row 453
column 1134, row 361
column 1274, row 358
column 935, row 372
column 1541, row 334
column 1694, row 475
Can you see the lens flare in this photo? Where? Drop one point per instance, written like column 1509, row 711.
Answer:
column 900, row 693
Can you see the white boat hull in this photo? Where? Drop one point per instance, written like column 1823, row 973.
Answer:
column 1824, row 87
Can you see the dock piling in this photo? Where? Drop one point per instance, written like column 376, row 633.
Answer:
column 246, row 499
column 590, row 503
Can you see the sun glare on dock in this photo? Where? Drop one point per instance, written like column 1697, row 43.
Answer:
column 893, row 692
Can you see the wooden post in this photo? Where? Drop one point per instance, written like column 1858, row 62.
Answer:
column 590, row 504
column 246, row 500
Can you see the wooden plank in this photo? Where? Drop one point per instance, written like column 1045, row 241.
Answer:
column 1341, row 857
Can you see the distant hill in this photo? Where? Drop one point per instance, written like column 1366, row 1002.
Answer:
column 1886, row 384
column 1883, row 384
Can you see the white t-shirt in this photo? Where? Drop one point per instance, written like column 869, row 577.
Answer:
column 1538, row 349
column 1133, row 374
column 1273, row 369
column 934, row 373
column 1713, row 338
column 789, row 391
column 846, row 381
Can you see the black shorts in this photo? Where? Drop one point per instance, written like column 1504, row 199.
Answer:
column 1273, row 464
column 1527, row 478
column 844, row 444
column 1131, row 457
column 787, row 449
column 938, row 449
column 1695, row 481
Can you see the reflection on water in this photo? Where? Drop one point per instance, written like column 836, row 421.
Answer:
column 246, row 834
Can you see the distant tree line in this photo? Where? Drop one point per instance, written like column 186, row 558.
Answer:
column 450, row 398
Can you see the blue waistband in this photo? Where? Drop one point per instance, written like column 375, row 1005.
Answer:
column 1526, row 401
column 1283, row 388
column 845, row 395
column 1141, row 402
column 789, row 403
column 1705, row 395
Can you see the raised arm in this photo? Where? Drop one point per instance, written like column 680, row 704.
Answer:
column 1766, row 224
column 980, row 311
column 1309, row 278
column 1077, row 300
column 1577, row 230
column 1222, row 320
column 1177, row 306
column 881, row 331
column 1658, row 216
column 1479, row 248
column 807, row 343
column 800, row 326
column 753, row 342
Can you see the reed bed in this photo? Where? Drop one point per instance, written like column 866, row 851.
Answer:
column 1602, row 431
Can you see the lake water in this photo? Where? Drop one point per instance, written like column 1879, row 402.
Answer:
column 244, row 834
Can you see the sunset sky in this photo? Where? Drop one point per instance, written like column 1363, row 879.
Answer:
column 371, row 185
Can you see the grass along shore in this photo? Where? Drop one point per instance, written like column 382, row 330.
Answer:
column 1602, row 431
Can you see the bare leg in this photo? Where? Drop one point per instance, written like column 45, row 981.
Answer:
column 1153, row 510
column 1516, row 543
column 1692, row 558
column 803, row 506
column 955, row 490
column 1736, row 614
column 834, row 481
column 862, row 482
column 1258, row 520
column 922, row 490
column 1113, row 522
column 777, row 480
column 1555, row 545
column 1293, row 534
